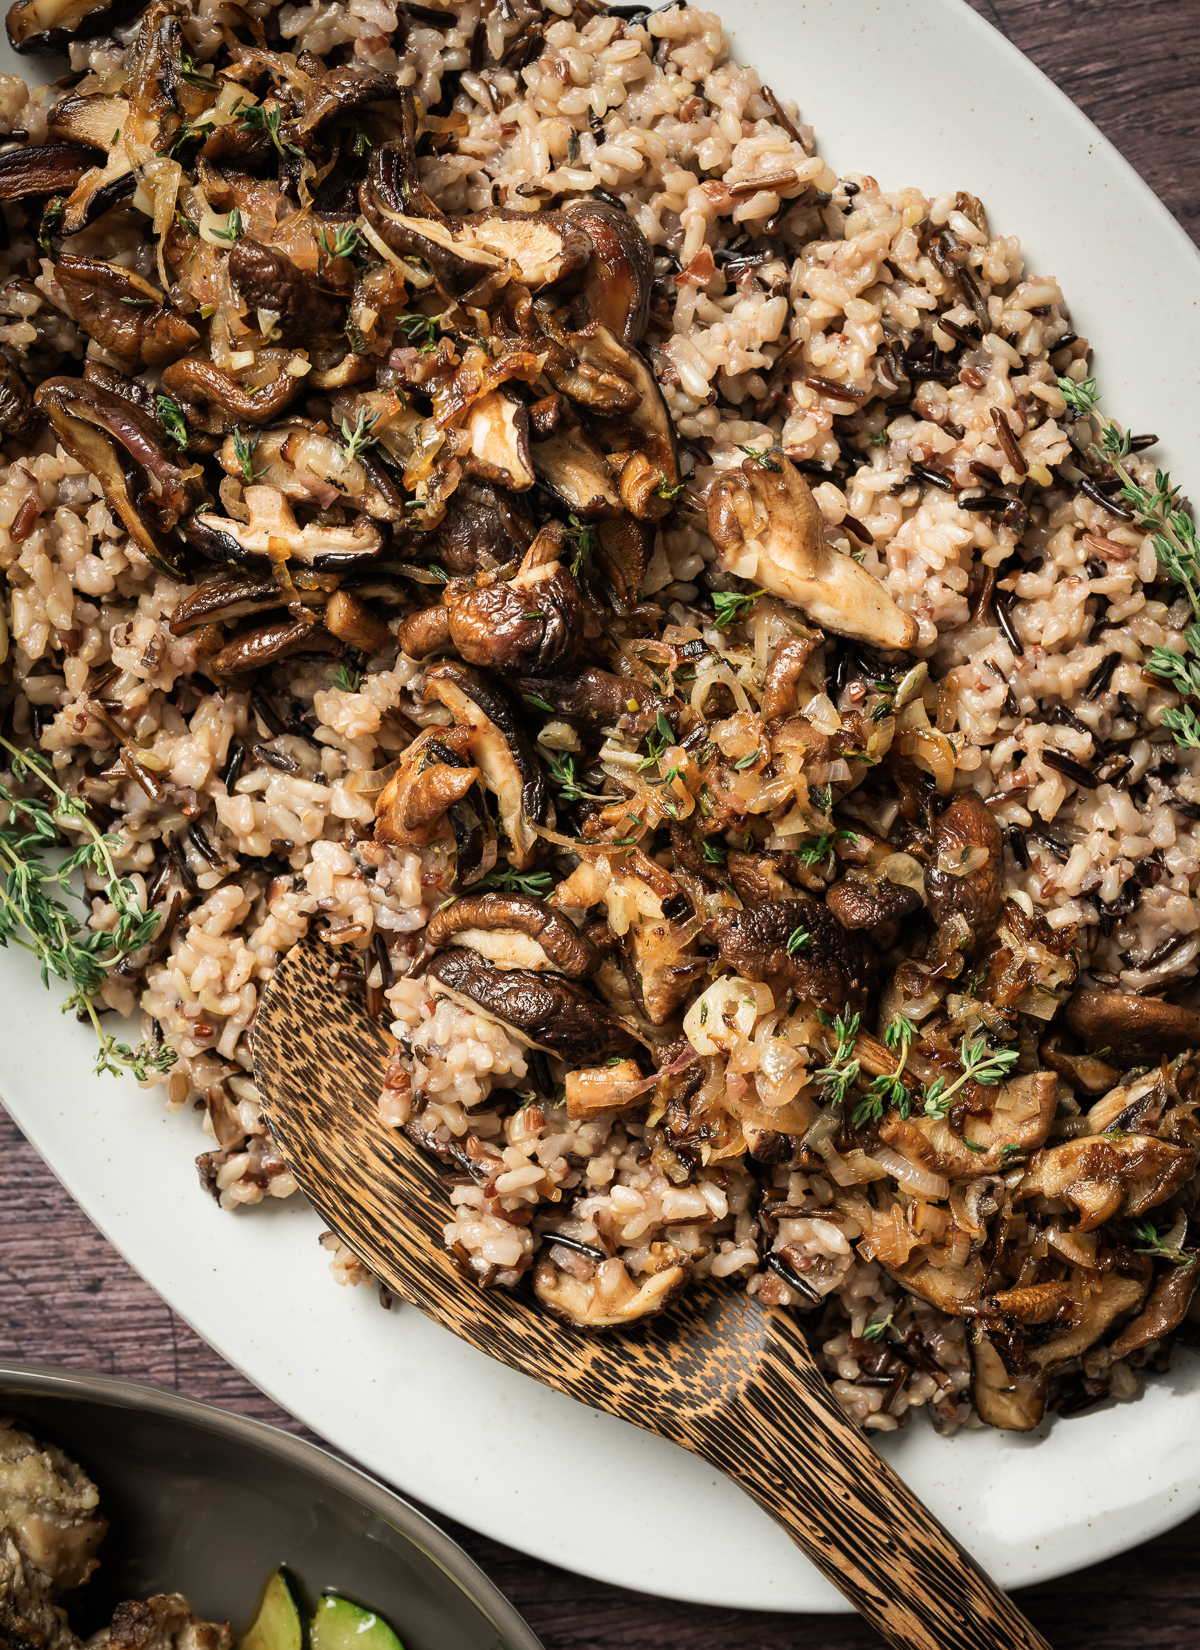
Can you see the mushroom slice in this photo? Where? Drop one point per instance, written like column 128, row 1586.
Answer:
column 272, row 534
column 425, row 632
column 1115, row 1296
column 258, row 648
column 860, row 900
column 1022, row 1111
column 497, row 428
column 965, row 874
column 45, row 28
column 124, row 314
column 434, row 774
column 1012, row 1403
column 572, row 466
column 594, row 698
column 43, row 169
column 195, row 379
column 504, row 756
column 599, row 1091
column 532, row 622
column 540, row 247
column 623, row 550
column 95, row 426
column 309, row 468
column 832, row 967
column 101, row 122
column 594, row 370
column 224, row 599
column 352, row 622
column 19, row 417
column 788, row 667
column 642, row 449
column 1103, row 1175
column 541, row 1010
column 1134, row 1028
column 610, row 1298
column 515, row 931
column 1166, row 1309
column 484, row 528
column 955, row 1290
column 619, row 275
column 766, row 525
column 266, row 279
column 346, row 86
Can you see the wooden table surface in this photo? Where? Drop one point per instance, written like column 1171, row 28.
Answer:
column 68, row 1298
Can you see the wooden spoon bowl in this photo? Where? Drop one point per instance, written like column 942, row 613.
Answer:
column 715, row 1373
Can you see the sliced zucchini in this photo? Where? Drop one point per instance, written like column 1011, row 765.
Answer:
column 341, row 1625
column 278, row 1624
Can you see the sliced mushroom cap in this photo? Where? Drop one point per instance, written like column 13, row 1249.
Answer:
column 572, row 466
column 484, row 528
column 954, row 1290
column 789, row 664
column 198, row 381
column 641, row 446
column 257, row 649
column 546, row 1011
column 152, row 493
column 497, row 428
column 344, row 87
column 424, row 633
column 768, row 529
column 757, row 878
column 1114, row 1297
column 619, row 276
column 600, row 1091
column 1133, row 1028
column 43, row 169
column 266, row 279
column 623, row 550
column 832, row 967
column 1166, row 1309
column 1019, row 1120
column 611, row 1297
column 94, row 120
column 1012, row 1403
column 593, row 698
column 965, row 876
column 310, row 467
column 223, row 599
column 1104, row 1176
column 123, row 313
column 272, row 532
column 859, row 900
column 502, row 752
column 19, row 418
column 435, row 772
column 540, row 247
column 515, row 931
column 46, row 28
column 531, row 623
column 594, row 370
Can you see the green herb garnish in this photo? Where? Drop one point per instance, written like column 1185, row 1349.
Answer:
column 172, row 420
column 731, row 606
column 979, row 1065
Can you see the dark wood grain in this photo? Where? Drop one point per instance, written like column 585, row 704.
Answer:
column 65, row 1295
column 726, row 1378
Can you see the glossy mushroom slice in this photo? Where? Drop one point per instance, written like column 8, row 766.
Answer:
column 46, row 28
column 542, row 1010
column 502, row 752
column 766, row 525
column 572, row 466
column 642, row 449
column 594, row 698
column 484, row 528
column 195, row 380
column 1114, row 1296
column 1165, row 1310
column 1103, row 1175
column 126, row 316
column 619, row 275
column 514, row 931
column 497, row 429
column 435, row 772
column 101, row 122
column 965, row 875
column 19, row 418
column 224, row 599
column 831, row 966
column 43, row 169
column 143, row 475
column 272, row 534
column 529, row 623
column 1012, row 1403
column 268, row 280
column 610, row 1298
column 1018, row 1121
column 1131, row 1027
column 255, row 650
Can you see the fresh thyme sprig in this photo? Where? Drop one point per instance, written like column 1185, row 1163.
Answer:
column 889, row 1090
column 841, row 1073
column 815, row 850
column 1176, row 544
column 877, row 1330
column 798, row 940
column 535, row 883
column 980, row 1065
column 33, row 915
column 562, row 772
column 265, row 117
column 345, row 243
column 766, row 456
column 233, row 229
column 585, row 543
column 731, row 606
column 357, row 438
column 1151, row 1243
column 421, row 331
column 243, row 451
column 346, row 679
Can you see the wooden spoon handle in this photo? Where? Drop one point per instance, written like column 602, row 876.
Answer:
column 788, row 1443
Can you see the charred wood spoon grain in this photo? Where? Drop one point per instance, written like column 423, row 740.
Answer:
column 715, row 1373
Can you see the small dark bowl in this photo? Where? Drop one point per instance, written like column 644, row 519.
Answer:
column 207, row 1503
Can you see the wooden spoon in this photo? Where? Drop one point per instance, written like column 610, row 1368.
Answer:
column 733, row 1381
